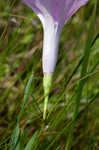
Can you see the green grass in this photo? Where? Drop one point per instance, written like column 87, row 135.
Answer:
column 72, row 118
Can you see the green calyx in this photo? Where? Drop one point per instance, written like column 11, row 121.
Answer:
column 47, row 82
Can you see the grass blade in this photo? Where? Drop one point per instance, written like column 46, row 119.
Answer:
column 27, row 89
column 31, row 142
column 70, row 124
column 15, row 138
column 83, row 73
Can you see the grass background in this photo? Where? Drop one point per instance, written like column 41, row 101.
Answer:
column 73, row 114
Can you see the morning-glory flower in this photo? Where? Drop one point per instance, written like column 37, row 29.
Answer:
column 53, row 15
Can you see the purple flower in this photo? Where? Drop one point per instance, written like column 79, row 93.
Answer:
column 53, row 15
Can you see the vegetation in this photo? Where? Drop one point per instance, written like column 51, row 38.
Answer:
column 73, row 116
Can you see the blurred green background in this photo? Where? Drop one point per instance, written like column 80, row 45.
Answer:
column 21, row 36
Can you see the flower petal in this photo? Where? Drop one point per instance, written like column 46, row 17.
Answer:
column 73, row 9
column 53, row 15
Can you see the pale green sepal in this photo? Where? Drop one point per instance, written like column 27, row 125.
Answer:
column 47, row 82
